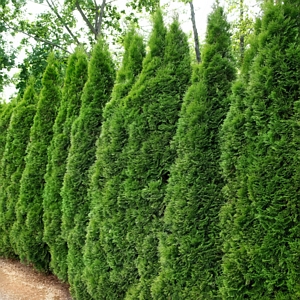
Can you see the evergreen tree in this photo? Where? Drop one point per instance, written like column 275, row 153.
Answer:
column 101, row 267
column 5, row 116
column 76, row 76
column 82, row 154
column 13, row 164
column 261, row 258
column 190, row 247
column 153, row 110
column 27, row 231
column 123, row 271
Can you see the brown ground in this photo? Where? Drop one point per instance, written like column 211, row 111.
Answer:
column 19, row 282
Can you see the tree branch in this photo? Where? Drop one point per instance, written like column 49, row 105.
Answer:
column 86, row 20
column 99, row 22
column 52, row 7
column 196, row 37
column 37, row 38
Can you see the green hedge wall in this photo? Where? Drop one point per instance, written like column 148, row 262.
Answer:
column 84, row 134
column 28, row 228
column 190, row 246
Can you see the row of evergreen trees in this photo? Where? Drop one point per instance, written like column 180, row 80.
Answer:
column 161, row 182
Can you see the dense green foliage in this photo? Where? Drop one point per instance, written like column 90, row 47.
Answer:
column 159, row 185
column 6, row 112
column 102, row 274
column 261, row 258
column 76, row 76
column 13, row 163
column 27, row 231
column 124, row 272
column 84, row 134
column 151, row 113
column 190, row 247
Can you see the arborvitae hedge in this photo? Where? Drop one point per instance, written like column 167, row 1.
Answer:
column 101, row 256
column 27, row 231
column 6, row 112
column 76, row 76
column 233, row 144
column 190, row 247
column 123, row 272
column 152, row 109
column 13, row 164
column 82, row 154
column 262, row 258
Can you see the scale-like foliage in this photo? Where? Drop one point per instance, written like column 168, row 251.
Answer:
column 6, row 112
column 82, row 154
column 262, row 251
column 13, row 164
column 152, row 107
column 190, row 247
column 27, row 231
column 102, row 256
column 76, row 76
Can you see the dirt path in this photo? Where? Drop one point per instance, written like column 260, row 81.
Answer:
column 19, row 282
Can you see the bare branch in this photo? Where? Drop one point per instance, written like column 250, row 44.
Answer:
column 86, row 20
column 52, row 7
column 196, row 38
column 99, row 22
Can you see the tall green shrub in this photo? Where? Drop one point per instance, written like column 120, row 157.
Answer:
column 82, row 154
column 190, row 247
column 13, row 163
column 122, row 270
column 5, row 116
column 27, row 231
column 261, row 258
column 154, row 106
column 76, row 76
column 102, row 274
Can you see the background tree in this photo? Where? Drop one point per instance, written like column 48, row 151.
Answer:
column 101, row 273
column 76, row 76
column 242, row 25
column 84, row 134
column 190, row 247
column 27, row 231
column 13, row 164
column 261, row 257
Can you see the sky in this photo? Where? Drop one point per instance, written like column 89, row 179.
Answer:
column 171, row 8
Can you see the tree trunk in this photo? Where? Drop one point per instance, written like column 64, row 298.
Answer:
column 242, row 36
column 196, row 37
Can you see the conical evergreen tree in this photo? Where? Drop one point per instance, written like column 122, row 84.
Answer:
column 153, row 107
column 190, row 247
column 262, row 258
column 123, row 272
column 101, row 272
column 76, row 76
column 233, row 142
column 82, row 154
column 5, row 116
column 13, row 164
column 28, row 229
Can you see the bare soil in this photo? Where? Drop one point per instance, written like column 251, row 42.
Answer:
column 20, row 282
